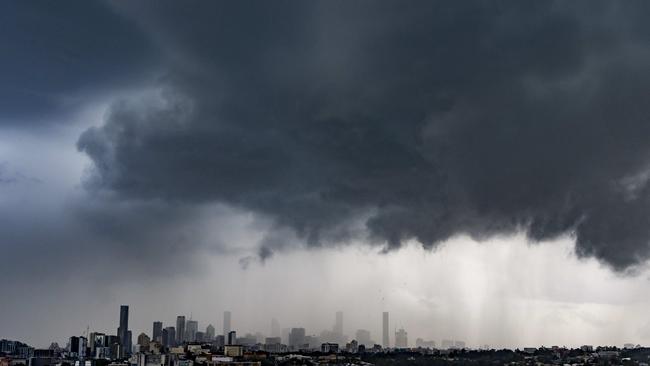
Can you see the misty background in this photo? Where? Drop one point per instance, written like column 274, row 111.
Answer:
column 479, row 170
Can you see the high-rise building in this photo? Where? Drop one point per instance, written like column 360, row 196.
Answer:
column 275, row 328
column 96, row 340
column 232, row 338
column 219, row 340
column 273, row 344
column 78, row 347
column 191, row 327
column 199, row 336
column 209, row 333
column 143, row 342
column 401, row 340
column 385, row 341
column 338, row 326
column 113, row 345
column 285, row 335
column 171, row 336
column 123, row 330
column 363, row 337
column 180, row 329
column 227, row 327
column 164, row 338
column 296, row 338
column 156, row 335
column 129, row 342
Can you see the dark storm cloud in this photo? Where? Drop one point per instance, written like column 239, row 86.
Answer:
column 423, row 119
column 54, row 54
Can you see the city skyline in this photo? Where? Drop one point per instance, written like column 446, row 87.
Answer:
column 97, row 345
column 297, row 337
column 397, row 335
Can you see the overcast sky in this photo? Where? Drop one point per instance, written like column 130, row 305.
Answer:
column 481, row 170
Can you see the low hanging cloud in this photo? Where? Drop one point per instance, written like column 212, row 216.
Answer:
column 58, row 57
column 420, row 121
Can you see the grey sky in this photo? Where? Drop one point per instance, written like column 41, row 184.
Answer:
column 150, row 151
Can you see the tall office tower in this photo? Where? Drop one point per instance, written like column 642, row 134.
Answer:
column 164, row 338
column 112, row 342
column 191, row 327
column 123, row 329
column 96, row 340
column 209, row 333
column 285, row 335
column 92, row 342
column 171, row 336
column 385, row 341
column 338, row 326
column 113, row 345
column 83, row 345
column 227, row 327
column 296, row 338
column 180, row 329
column 275, row 328
column 157, row 332
column 73, row 347
column 232, row 338
column 401, row 340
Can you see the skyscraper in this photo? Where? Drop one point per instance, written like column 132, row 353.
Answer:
column 401, row 340
column 209, row 333
column 164, row 338
column 297, row 338
column 285, row 335
column 78, row 347
column 156, row 335
column 226, row 323
column 123, row 329
column 232, row 338
column 180, row 329
column 191, row 327
column 275, row 328
column 338, row 326
column 385, row 340
column 171, row 336
column 96, row 340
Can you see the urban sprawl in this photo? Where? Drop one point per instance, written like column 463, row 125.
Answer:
column 185, row 345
